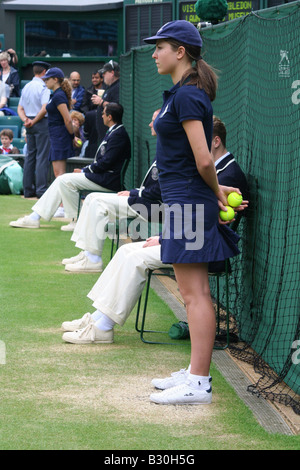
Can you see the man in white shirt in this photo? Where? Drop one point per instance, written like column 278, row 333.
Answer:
column 32, row 110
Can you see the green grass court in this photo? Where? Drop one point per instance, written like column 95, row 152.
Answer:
column 55, row 395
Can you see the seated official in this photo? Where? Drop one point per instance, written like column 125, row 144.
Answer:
column 141, row 204
column 120, row 285
column 104, row 174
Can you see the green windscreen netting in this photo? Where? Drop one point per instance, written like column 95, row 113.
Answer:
column 258, row 63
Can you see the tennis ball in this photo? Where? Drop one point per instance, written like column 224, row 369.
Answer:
column 227, row 215
column 235, row 199
column 79, row 142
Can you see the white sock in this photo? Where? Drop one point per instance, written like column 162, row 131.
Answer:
column 199, row 382
column 97, row 315
column 105, row 323
column 93, row 258
column 35, row 216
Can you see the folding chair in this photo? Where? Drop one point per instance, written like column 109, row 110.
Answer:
column 166, row 272
column 9, row 121
column 13, row 101
column 15, row 129
column 141, row 329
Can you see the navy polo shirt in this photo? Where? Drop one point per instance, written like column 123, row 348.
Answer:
column 54, row 116
column 174, row 155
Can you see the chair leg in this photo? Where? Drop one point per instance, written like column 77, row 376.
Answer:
column 142, row 329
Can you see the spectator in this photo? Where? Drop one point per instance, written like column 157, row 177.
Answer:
column 77, row 91
column 121, row 284
column 13, row 55
column 60, row 126
column 99, row 208
column 32, row 110
column 6, row 147
column 78, row 122
column 9, row 75
column 91, row 133
column 97, row 84
column 102, row 175
column 3, row 98
column 111, row 76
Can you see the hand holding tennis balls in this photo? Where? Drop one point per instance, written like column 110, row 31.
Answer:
column 227, row 215
column 235, row 199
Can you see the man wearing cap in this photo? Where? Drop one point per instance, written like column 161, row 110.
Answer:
column 97, row 83
column 32, row 110
column 111, row 77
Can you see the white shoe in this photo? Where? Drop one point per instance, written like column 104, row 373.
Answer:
column 84, row 266
column 69, row 228
column 74, row 259
column 60, row 212
column 25, row 222
column 182, row 394
column 88, row 335
column 176, row 378
column 78, row 324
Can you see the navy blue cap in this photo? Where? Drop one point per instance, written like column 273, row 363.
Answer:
column 181, row 30
column 54, row 72
column 42, row 64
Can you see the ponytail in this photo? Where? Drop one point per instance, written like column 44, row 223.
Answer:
column 201, row 74
column 204, row 77
column 66, row 87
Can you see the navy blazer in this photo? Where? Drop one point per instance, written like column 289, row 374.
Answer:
column 114, row 149
column 148, row 193
column 230, row 174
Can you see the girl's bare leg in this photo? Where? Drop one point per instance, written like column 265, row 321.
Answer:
column 193, row 284
column 59, row 167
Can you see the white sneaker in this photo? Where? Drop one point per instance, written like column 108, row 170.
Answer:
column 25, row 222
column 88, row 335
column 60, row 212
column 84, row 266
column 176, row 378
column 69, row 228
column 182, row 394
column 74, row 259
column 77, row 324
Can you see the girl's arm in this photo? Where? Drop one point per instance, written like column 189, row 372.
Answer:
column 203, row 158
column 63, row 109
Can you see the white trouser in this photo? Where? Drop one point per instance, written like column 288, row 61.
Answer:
column 97, row 210
column 65, row 189
column 120, row 285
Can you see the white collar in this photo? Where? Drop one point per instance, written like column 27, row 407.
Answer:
column 221, row 158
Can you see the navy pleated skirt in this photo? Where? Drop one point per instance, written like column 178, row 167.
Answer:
column 61, row 143
column 191, row 230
